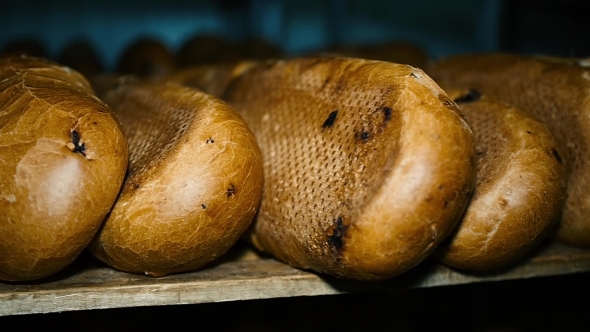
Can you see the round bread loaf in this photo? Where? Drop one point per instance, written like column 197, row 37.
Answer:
column 81, row 56
column 193, row 186
column 368, row 165
column 146, row 58
column 205, row 49
column 63, row 158
column 520, row 188
column 557, row 93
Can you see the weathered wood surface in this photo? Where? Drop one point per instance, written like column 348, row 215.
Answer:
column 243, row 275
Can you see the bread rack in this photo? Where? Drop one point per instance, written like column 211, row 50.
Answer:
column 243, row 274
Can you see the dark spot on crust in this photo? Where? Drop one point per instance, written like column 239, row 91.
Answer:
column 231, row 190
column 94, row 122
column 528, row 132
column 135, row 186
column 375, row 124
column 338, row 232
column 340, row 85
column 445, row 204
column 441, row 187
column 78, row 148
column 387, row 113
column 557, row 156
column 364, row 136
column 203, row 206
column 330, row 120
column 470, row 96
column 210, row 140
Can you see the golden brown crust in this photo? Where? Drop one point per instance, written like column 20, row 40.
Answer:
column 520, row 186
column 553, row 91
column 368, row 165
column 194, row 183
column 63, row 159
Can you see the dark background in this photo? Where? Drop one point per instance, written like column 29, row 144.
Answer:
column 441, row 27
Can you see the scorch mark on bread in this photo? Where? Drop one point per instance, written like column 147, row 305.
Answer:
column 330, row 120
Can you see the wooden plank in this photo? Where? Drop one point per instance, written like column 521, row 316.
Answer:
column 243, row 275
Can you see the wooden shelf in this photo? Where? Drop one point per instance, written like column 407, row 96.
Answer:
column 244, row 275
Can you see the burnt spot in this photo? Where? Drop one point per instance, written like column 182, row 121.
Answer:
column 387, row 113
column 556, row 155
column 445, row 204
column 94, row 122
column 135, row 186
column 374, row 124
column 364, row 136
column 209, row 140
column 231, row 190
column 336, row 238
column 330, row 120
column 470, row 96
column 77, row 147
column 204, row 206
column 528, row 132
column 340, row 86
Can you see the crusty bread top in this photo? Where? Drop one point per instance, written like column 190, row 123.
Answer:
column 368, row 164
column 556, row 92
column 63, row 159
column 194, row 180
column 520, row 186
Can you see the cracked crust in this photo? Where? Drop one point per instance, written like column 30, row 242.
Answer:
column 193, row 186
column 520, row 188
column 368, row 165
column 63, row 158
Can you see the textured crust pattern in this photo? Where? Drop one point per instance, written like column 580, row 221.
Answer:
column 557, row 93
column 194, row 182
column 520, row 186
column 368, row 165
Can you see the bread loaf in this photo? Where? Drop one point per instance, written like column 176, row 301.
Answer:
column 146, row 58
column 194, row 181
column 63, row 158
column 557, row 93
column 520, row 186
column 368, row 165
